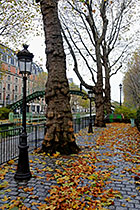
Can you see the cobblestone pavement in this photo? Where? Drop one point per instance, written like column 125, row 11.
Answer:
column 37, row 188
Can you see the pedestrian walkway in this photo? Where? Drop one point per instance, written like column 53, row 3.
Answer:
column 104, row 175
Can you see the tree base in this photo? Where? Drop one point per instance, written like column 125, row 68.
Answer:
column 67, row 149
column 99, row 124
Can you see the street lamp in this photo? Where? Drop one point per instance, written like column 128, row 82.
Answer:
column 90, row 95
column 120, row 85
column 25, row 66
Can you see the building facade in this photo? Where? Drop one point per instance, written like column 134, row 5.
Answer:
column 11, row 83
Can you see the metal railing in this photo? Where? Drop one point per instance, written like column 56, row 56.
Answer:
column 82, row 122
column 9, row 139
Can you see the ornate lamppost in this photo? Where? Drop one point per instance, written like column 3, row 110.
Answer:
column 25, row 66
column 90, row 95
column 120, row 85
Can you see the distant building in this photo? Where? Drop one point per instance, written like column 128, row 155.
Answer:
column 11, row 84
column 70, row 80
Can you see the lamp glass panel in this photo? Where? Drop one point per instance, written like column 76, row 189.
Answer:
column 28, row 66
column 21, row 64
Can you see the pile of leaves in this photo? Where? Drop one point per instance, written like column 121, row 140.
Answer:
column 81, row 180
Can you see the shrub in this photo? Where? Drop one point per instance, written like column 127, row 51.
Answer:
column 4, row 113
column 127, row 113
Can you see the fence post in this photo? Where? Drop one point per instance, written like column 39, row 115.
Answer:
column 45, row 129
column 82, row 122
column 35, row 137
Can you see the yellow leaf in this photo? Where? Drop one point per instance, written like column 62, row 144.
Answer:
column 34, row 203
column 56, row 154
column 11, row 162
column 5, row 198
column 8, row 190
column 128, row 199
column 3, row 185
column 123, row 205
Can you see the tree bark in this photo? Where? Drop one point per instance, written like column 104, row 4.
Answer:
column 99, row 100
column 59, row 134
column 105, row 64
column 107, row 98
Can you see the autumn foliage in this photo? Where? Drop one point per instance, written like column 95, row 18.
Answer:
column 83, row 181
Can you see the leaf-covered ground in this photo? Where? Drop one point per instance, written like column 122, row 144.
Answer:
column 104, row 174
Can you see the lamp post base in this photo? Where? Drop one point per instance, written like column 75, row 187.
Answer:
column 23, row 171
column 90, row 130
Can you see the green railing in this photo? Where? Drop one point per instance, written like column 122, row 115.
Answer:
column 41, row 94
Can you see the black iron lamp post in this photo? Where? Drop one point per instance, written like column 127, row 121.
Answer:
column 25, row 66
column 120, row 85
column 90, row 95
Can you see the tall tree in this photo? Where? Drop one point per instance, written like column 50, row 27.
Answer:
column 131, row 82
column 59, row 135
column 94, row 29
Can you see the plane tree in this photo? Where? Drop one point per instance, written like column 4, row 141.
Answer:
column 16, row 21
column 94, row 32
column 59, row 134
column 131, row 82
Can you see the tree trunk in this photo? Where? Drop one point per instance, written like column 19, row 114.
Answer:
column 99, row 100
column 107, row 94
column 107, row 99
column 99, row 120
column 59, row 134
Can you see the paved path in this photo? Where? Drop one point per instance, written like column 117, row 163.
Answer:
column 112, row 152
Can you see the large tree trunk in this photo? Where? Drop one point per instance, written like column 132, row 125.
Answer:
column 59, row 134
column 107, row 94
column 99, row 105
column 107, row 99
column 99, row 100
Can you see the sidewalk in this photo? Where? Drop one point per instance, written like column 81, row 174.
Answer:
column 104, row 175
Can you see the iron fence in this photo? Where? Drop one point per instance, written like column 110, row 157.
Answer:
column 9, row 139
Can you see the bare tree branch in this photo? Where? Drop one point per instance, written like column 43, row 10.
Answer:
column 75, row 63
